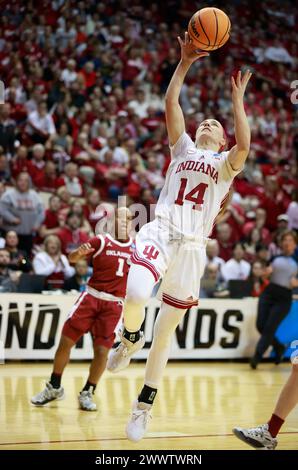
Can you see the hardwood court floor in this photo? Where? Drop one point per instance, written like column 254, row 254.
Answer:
column 196, row 407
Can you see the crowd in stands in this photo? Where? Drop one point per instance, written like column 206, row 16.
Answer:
column 83, row 123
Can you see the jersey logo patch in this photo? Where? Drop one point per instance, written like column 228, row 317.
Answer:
column 150, row 252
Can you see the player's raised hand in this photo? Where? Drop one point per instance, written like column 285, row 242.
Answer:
column 239, row 85
column 189, row 52
column 85, row 249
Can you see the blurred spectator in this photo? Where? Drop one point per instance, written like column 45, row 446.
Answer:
column 282, row 223
column 79, row 280
column 76, row 207
column 262, row 253
column 48, row 180
column 53, row 221
column 236, row 268
column 258, row 278
column 69, row 74
column 292, row 212
column 8, row 280
column 139, row 105
column 234, row 217
column 19, row 261
column 22, row 210
column 212, row 251
column 61, row 142
column 52, row 263
column 111, row 177
column 258, row 222
column 210, row 282
column 225, row 241
column 20, row 162
column 4, row 169
column 251, row 243
column 119, row 155
column 40, row 124
column 71, row 235
column 37, row 162
column 92, row 202
column 7, row 130
column 71, row 179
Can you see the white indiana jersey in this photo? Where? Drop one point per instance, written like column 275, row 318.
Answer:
column 197, row 182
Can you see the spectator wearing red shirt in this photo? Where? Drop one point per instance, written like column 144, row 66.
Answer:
column 89, row 75
column 234, row 216
column 111, row 176
column 225, row 241
column 20, row 162
column 258, row 222
column 258, row 279
column 37, row 162
column 71, row 235
column 52, row 222
column 273, row 201
column 48, row 180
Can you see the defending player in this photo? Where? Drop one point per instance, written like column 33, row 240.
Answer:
column 264, row 436
column 172, row 247
column 97, row 310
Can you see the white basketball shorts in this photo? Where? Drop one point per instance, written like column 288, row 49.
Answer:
column 179, row 262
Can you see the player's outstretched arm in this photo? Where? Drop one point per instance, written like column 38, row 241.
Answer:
column 174, row 115
column 239, row 152
column 81, row 252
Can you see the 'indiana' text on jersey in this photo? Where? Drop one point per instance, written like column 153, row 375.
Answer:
column 206, row 168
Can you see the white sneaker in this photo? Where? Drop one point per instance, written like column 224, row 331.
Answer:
column 137, row 426
column 86, row 401
column 120, row 357
column 258, row 438
column 48, row 394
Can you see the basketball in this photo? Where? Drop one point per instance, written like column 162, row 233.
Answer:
column 209, row 28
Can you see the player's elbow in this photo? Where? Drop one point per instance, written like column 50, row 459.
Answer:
column 242, row 150
column 171, row 100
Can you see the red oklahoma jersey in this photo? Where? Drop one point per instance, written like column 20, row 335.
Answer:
column 111, row 263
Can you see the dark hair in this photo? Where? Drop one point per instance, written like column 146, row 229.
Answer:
column 238, row 244
column 288, row 233
column 71, row 214
column 260, row 247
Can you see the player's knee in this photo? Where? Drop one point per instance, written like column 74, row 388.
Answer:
column 100, row 351
column 137, row 294
column 66, row 343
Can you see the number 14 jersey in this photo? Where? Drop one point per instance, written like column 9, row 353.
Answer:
column 197, row 182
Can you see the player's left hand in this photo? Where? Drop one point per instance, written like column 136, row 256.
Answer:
column 85, row 249
column 239, row 85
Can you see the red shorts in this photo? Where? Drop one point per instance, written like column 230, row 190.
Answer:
column 98, row 316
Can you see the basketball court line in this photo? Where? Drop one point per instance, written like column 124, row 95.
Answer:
column 104, row 439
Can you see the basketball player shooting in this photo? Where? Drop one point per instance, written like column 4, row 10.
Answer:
column 172, row 247
column 97, row 310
